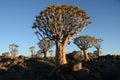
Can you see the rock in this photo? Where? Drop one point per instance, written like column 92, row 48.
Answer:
column 15, row 61
column 77, row 66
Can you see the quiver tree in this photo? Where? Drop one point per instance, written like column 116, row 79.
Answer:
column 13, row 48
column 84, row 42
column 97, row 45
column 32, row 50
column 45, row 45
column 59, row 23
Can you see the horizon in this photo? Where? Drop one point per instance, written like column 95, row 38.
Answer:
column 17, row 18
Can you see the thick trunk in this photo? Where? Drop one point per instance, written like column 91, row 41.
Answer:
column 86, row 57
column 98, row 52
column 61, row 53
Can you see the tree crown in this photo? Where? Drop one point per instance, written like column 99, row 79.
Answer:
column 58, row 22
column 32, row 48
column 97, row 43
column 45, row 44
column 84, row 42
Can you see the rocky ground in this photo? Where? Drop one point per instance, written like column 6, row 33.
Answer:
column 102, row 68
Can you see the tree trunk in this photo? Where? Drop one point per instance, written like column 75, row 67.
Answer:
column 45, row 54
column 11, row 55
column 61, row 52
column 86, row 57
column 98, row 52
column 32, row 54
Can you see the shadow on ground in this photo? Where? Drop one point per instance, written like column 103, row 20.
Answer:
column 31, row 69
column 102, row 68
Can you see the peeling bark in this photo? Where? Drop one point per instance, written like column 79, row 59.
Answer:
column 61, row 52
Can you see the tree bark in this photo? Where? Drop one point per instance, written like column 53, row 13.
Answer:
column 61, row 52
column 45, row 54
column 86, row 57
column 32, row 54
column 98, row 52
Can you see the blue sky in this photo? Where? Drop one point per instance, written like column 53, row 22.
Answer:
column 17, row 17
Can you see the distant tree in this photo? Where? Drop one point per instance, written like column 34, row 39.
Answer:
column 6, row 54
column 60, row 23
column 84, row 42
column 13, row 50
column 32, row 51
column 95, row 54
column 39, row 54
column 97, row 45
column 45, row 45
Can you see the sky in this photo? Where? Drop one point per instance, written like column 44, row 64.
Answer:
column 18, row 16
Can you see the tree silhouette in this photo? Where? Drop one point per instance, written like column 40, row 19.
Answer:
column 45, row 45
column 13, row 50
column 60, row 23
column 84, row 42
column 97, row 45
column 32, row 51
